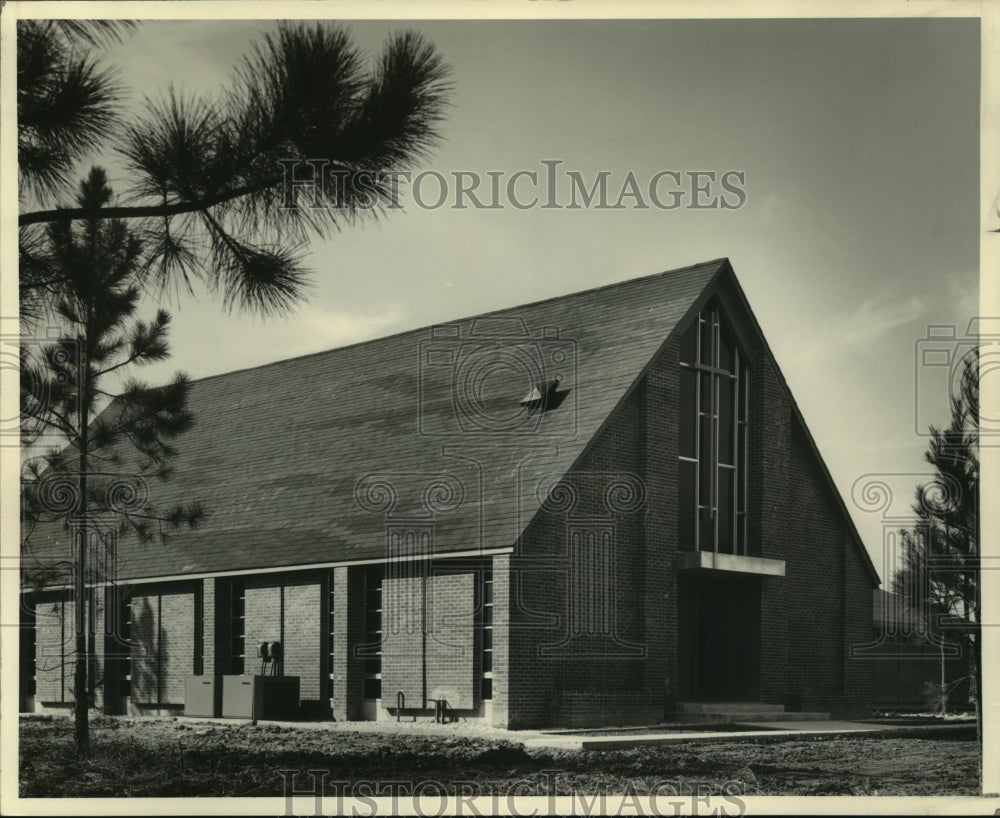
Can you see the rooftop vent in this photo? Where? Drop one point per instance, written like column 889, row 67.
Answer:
column 543, row 396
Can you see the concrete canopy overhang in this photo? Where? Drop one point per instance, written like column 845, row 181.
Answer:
column 731, row 563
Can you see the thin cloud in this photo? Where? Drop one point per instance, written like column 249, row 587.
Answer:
column 315, row 328
column 875, row 318
column 880, row 315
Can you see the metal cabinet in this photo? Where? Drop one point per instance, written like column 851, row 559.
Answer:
column 202, row 696
column 260, row 697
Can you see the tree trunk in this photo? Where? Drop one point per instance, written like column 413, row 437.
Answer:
column 944, row 681
column 81, row 732
column 81, row 727
column 976, row 685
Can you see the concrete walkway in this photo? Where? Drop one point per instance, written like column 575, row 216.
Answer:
column 573, row 740
column 755, row 731
column 826, row 726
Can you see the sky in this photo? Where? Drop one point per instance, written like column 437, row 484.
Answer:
column 858, row 141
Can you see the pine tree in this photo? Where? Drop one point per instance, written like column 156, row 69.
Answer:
column 99, row 263
column 940, row 570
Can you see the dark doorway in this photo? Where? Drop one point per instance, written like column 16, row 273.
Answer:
column 719, row 637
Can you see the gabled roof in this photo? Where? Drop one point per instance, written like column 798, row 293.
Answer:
column 318, row 459
column 292, row 459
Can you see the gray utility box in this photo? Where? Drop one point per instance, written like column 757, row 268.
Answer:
column 260, row 697
column 203, row 696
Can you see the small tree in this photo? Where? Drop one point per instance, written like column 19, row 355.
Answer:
column 932, row 596
column 939, row 575
column 98, row 263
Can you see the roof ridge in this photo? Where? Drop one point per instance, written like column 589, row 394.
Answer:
column 400, row 334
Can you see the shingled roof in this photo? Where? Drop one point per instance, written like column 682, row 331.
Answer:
column 306, row 461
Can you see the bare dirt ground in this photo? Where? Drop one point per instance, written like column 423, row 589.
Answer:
column 178, row 757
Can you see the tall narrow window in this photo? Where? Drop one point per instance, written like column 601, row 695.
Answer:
column 713, row 438
column 125, row 666
column 330, row 646
column 486, row 624
column 28, row 646
column 374, row 575
column 199, row 631
column 237, row 625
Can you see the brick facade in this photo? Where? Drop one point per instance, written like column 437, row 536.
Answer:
column 163, row 636
column 593, row 619
column 782, row 640
column 54, row 651
column 289, row 608
column 571, row 645
column 348, row 634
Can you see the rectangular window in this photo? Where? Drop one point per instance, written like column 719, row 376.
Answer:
column 726, row 513
column 727, row 420
column 689, row 414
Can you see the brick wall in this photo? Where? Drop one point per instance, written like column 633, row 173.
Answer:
column 289, row 608
column 633, row 675
column 501, row 565
column 788, row 637
column 305, row 635
column 55, row 644
column 660, row 427
column 163, row 641
column 581, row 634
column 451, row 646
column 53, row 659
column 348, row 634
column 402, row 640
column 823, row 604
column 768, row 490
column 444, row 663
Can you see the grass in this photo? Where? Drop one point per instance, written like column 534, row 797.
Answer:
column 174, row 757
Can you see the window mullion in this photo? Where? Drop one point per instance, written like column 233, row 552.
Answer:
column 714, row 460
column 697, row 452
column 715, row 457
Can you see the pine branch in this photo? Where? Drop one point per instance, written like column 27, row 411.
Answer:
column 67, row 215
